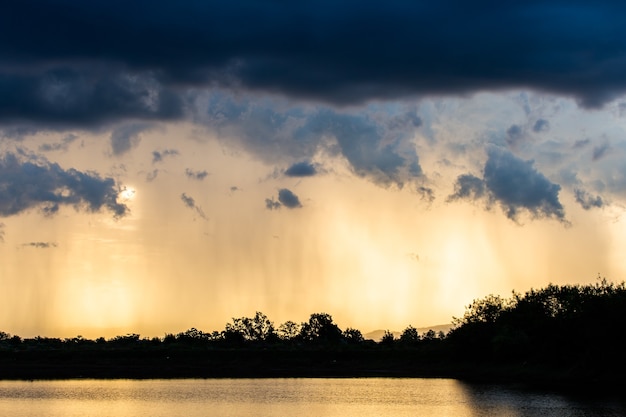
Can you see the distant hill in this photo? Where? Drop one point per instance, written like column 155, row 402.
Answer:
column 376, row 335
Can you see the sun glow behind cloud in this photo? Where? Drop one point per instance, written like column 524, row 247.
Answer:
column 127, row 193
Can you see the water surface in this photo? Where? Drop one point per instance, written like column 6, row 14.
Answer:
column 303, row 397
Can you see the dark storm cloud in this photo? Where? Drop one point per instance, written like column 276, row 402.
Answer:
column 196, row 175
column 515, row 184
column 468, row 187
column 76, row 95
column 272, row 131
column 586, row 200
column 367, row 146
column 265, row 127
column 40, row 245
column 64, row 61
column 518, row 186
column 191, row 203
column 28, row 182
column 288, row 199
column 301, row 169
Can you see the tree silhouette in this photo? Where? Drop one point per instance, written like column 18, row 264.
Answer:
column 257, row 328
column 409, row 336
column 288, row 331
column 320, row 329
column 388, row 339
column 353, row 336
column 556, row 325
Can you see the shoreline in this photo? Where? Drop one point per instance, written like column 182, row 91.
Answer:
column 227, row 364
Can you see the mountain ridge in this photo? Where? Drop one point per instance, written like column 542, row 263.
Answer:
column 377, row 335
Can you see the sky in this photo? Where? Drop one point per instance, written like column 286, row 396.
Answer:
column 168, row 165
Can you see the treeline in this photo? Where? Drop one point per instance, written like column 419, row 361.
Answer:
column 580, row 326
column 259, row 331
column 567, row 333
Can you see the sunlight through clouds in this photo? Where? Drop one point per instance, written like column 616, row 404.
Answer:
column 385, row 179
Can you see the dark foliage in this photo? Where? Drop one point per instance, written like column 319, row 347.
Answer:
column 569, row 333
column 578, row 328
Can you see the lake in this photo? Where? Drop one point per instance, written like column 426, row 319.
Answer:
column 304, row 397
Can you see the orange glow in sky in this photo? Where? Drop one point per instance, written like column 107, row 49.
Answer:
column 385, row 163
column 374, row 255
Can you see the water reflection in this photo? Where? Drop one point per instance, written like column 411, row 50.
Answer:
column 280, row 397
column 514, row 401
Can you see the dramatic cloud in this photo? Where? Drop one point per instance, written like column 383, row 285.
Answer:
column 196, row 175
column 301, row 169
column 40, row 245
column 372, row 148
column 515, row 184
column 586, row 200
column 58, row 66
column 265, row 127
column 27, row 182
column 371, row 151
column 468, row 187
column 157, row 156
column 191, row 203
column 33, row 89
column 288, row 198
